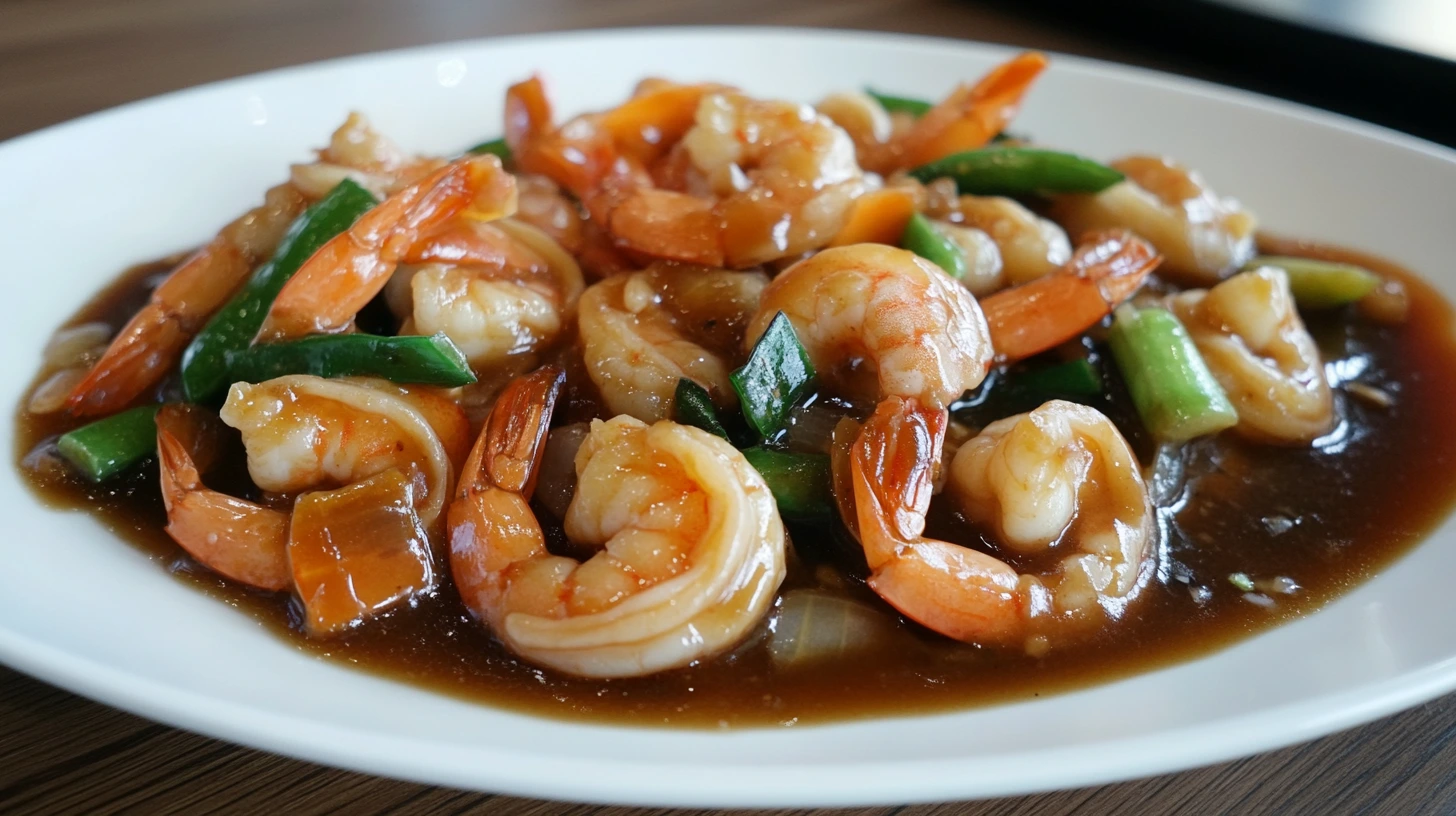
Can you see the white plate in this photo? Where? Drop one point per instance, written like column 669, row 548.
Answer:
column 85, row 611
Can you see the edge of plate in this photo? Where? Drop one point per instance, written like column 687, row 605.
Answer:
column 617, row 782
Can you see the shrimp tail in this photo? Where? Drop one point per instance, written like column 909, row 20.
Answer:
column 1107, row 268
column 514, row 437
column 972, row 115
column 528, row 113
column 237, row 539
column 151, row 343
column 347, row 272
column 956, row 591
column 894, row 462
column 490, row 522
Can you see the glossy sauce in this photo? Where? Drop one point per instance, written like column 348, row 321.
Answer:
column 1327, row 517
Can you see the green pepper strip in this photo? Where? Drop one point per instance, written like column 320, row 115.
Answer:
column 108, row 446
column 1019, row 171
column 692, row 405
column 1321, row 284
column 410, row 359
column 800, row 482
column 1171, row 387
column 495, row 147
column 777, row 375
column 925, row 239
column 900, row 104
column 204, row 364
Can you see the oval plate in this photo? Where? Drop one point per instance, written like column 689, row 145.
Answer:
column 83, row 610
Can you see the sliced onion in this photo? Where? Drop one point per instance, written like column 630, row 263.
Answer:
column 50, row 396
column 813, row 626
column 810, row 428
column 556, row 478
column 76, row 345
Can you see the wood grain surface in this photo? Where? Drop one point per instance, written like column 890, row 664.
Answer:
column 64, row 754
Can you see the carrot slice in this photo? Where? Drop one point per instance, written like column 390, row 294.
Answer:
column 358, row 551
column 877, row 218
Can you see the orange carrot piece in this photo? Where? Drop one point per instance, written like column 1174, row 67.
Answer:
column 877, row 218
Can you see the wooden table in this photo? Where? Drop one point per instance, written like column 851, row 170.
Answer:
column 62, row 753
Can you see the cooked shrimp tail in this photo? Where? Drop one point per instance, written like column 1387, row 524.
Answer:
column 152, row 341
column 349, row 270
column 956, row 591
column 490, row 521
column 1107, row 268
column 237, row 539
column 508, row 452
column 973, row 114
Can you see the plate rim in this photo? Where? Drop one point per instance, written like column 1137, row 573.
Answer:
column 328, row 744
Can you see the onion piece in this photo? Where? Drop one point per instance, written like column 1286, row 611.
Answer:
column 813, row 626
column 556, row 477
column 76, row 345
column 810, row 428
column 51, row 395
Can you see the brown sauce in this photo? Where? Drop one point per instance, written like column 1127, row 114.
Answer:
column 1328, row 517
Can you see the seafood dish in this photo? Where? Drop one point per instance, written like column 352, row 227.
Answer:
column 710, row 408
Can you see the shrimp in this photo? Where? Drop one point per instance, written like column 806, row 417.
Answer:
column 237, row 539
column 1203, row 236
column 968, row 118
column 1058, row 477
column 497, row 290
column 971, row 115
column 863, row 118
column 1106, row 269
column 350, row 553
column 1249, row 332
column 1031, row 247
column 304, row 432
column 641, row 332
column 349, row 270
column 755, row 181
column 881, row 322
column 690, row 547
column 542, row 204
column 153, row 340
column 358, row 151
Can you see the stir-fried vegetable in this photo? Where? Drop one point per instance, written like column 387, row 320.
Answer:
column 801, row 482
column 408, row 359
column 1321, row 284
column 1074, row 378
column 495, row 147
column 693, row 406
column 357, row 551
column 1171, row 387
column 1016, row 171
column 900, row 104
column 878, row 217
column 777, row 375
column 814, row 626
column 204, row 363
column 108, row 446
column 925, row 239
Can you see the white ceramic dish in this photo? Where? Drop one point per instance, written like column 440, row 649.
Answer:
column 81, row 609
